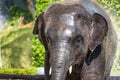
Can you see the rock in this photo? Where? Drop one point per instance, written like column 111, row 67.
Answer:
column 4, row 15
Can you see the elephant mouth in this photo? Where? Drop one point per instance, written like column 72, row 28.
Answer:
column 69, row 69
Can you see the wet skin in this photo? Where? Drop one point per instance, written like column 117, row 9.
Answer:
column 76, row 34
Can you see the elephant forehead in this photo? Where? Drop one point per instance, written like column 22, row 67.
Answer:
column 66, row 33
column 65, row 25
column 68, row 19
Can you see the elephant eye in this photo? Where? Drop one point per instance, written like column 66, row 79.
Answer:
column 48, row 39
column 78, row 40
column 79, row 16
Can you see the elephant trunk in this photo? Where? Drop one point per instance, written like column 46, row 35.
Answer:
column 61, row 60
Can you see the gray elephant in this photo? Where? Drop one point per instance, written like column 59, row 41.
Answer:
column 79, row 39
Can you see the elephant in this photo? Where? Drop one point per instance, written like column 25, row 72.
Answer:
column 80, row 41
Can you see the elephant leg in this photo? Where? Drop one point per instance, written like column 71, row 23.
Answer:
column 47, row 66
column 95, row 70
column 109, row 63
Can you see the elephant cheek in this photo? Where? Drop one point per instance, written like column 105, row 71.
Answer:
column 80, row 54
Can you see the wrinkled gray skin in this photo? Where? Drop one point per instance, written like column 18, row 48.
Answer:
column 78, row 34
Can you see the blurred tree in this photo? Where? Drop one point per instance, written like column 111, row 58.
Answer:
column 30, row 6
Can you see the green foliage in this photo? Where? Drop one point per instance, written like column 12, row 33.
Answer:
column 37, row 47
column 16, row 13
column 38, row 52
column 41, row 5
column 18, row 71
column 15, row 40
column 113, row 5
column 114, row 8
column 16, row 47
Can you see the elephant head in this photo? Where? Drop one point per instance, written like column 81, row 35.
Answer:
column 68, row 32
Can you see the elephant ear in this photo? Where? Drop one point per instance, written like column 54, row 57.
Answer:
column 98, row 31
column 39, row 28
column 38, row 24
column 97, row 34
